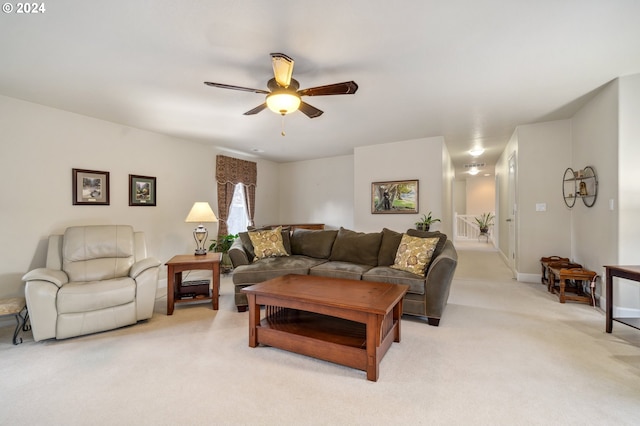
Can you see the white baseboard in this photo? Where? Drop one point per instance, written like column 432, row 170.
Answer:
column 528, row 278
column 621, row 312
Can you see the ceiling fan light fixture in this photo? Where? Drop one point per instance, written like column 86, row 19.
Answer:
column 283, row 102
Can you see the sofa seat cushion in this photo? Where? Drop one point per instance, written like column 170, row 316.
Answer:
column 272, row 267
column 346, row 270
column 89, row 296
column 386, row 274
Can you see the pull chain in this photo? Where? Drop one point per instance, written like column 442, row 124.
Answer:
column 282, row 132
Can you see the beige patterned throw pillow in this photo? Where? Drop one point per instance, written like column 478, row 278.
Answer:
column 268, row 243
column 414, row 254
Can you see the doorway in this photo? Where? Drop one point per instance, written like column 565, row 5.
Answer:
column 512, row 213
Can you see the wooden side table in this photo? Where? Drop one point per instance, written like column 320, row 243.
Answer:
column 190, row 262
column 564, row 275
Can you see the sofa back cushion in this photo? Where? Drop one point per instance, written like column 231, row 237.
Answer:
column 313, row 243
column 356, row 247
column 92, row 253
column 388, row 247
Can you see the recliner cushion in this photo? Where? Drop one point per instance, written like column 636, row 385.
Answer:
column 93, row 253
column 356, row 247
column 91, row 296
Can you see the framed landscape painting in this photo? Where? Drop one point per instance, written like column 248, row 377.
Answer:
column 90, row 187
column 142, row 190
column 399, row 196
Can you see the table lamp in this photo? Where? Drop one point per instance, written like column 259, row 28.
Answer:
column 201, row 212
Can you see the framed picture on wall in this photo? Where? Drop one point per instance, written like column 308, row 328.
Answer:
column 90, row 187
column 142, row 190
column 398, row 196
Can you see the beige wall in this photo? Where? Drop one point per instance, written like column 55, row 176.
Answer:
column 595, row 143
column 39, row 147
column 481, row 195
column 420, row 159
column 317, row 191
column 629, row 191
column 543, row 153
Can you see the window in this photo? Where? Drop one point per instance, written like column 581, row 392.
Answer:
column 238, row 219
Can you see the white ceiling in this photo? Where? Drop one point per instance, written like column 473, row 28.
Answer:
column 468, row 70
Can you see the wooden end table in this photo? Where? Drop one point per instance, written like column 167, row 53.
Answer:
column 190, row 262
column 348, row 322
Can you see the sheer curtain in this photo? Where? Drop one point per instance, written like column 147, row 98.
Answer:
column 229, row 172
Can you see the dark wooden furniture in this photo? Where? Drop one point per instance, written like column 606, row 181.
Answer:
column 293, row 226
column 547, row 277
column 190, row 262
column 565, row 278
column 629, row 272
column 544, row 263
column 347, row 322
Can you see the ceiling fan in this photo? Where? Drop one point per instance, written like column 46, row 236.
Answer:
column 283, row 96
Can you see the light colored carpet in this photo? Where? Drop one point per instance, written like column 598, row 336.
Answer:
column 506, row 353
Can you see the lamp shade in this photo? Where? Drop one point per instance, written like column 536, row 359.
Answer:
column 201, row 212
column 283, row 102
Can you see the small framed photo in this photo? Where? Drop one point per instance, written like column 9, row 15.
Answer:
column 142, row 190
column 90, row 187
column 399, row 196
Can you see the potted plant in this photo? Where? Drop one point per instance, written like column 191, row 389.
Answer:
column 425, row 222
column 484, row 222
column 222, row 245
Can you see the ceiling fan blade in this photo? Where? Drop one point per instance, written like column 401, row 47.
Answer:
column 282, row 68
column 346, row 88
column 256, row 109
column 310, row 111
column 228, row 86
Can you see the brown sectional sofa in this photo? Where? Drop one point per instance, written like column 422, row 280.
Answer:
column 353, row 255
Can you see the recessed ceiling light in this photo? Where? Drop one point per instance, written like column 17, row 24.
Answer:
column 257, row 150
column 476, row 151
column 474, row 171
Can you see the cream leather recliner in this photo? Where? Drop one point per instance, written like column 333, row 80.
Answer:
column 96, row 278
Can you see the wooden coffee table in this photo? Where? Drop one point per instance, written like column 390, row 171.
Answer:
column 348, row 322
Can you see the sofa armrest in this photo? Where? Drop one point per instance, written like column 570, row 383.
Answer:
column 438, row 280
column 59, row 278
column 237, row 254
column 142, row 265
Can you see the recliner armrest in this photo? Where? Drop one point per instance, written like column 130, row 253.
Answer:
column 142, row 265
column 59, row 278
